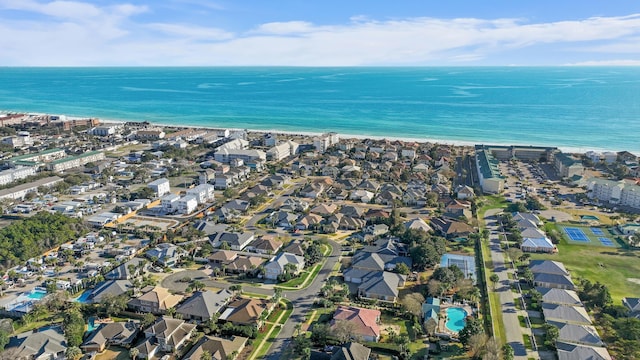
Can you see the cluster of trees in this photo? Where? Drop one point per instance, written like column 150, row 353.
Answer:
column 594, row 295
column 290, row 272
column 32, row 236
column 228, row 329
column 622, row 336
column 313, row 253
column 510, row 227
column 425, row 249
column 445, row 279
column 480, row 346
column 332, row 292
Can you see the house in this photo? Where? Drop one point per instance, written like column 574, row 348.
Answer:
column 351, row 351
column 247, row 311
column 219, row 348
column 236, row 241
column 458, row 208
column 115, row 333
column 203, row 193
column 559, row 296
column 128, row 270
column 202, row 305
column 577, row 334
column 553, row 281
column 567, row 314
column 581, row 352
column 156, row 300
column 418, row 224
column 166, row 335
column 276, row 266
column 186, row 204
column 465, row 192
column 244, row 264
column 376, row 229
column 48, row 343
column 265, row 245
column 295, row 247
column 538, row 245
column 450, row 228
column 166, row 254
column 109, row 288
column 241, row 206
column 430, row 306
column 547, row 267
column 160, row 187
column 381, row 285
column 364, row 322
column 633, row 304
column 324, row 209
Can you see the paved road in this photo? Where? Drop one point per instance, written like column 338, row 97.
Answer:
column 302, row 304
column 507, row 302
column 302, row 299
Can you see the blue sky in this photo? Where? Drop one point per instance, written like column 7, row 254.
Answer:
column 319, row 33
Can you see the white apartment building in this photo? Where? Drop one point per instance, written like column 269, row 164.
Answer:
column 614, row 192
column 187, row 204
column 160, row 187
column 72, row 162
column 203, row 193
column 11, row 175
column 325, row 141
column 169, row 202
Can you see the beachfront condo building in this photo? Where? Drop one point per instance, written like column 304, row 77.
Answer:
column 614, row 192
column 489, row 175
column 567, row 166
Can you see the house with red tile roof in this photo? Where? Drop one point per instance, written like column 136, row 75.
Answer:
column 364, row 321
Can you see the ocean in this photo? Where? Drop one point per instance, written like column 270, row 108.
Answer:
column 580, row 108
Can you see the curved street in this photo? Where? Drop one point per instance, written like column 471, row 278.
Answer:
column 302, row 299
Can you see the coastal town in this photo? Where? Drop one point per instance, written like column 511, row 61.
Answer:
column 135, row 240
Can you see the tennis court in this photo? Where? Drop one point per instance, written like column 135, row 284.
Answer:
column 597, row 232
column 606, row 241
column 576, row 234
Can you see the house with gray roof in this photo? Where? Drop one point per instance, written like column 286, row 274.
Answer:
column 166, row 254
column 581, row 352
column 43, row 344
column 236, row 241
column 127, row 270
column 204, row 304
column 430, row 307
column 633, row 304
column 277, row 265
column 555, row 281
column 547, row 267
column 577, row 334
column 351, row 351
column 166, row 335
column 567, row 314
column 381, row 285
column 116, row 333
column 110, row 288
column 537, row 244
column 559, row 296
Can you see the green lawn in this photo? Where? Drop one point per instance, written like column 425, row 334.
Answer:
column 611, row 266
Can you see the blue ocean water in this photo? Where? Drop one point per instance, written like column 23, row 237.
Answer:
column 577, row 107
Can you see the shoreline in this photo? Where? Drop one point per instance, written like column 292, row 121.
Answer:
column 441, row 141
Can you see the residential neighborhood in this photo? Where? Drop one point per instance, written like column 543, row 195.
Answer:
column 200, row 243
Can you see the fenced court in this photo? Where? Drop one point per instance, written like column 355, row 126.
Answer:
column 576, row 234
column 588, row 236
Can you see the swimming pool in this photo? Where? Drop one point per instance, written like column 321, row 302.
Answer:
column 84, row 298
column 455, row 319
column 37, row 294
column 91, row 324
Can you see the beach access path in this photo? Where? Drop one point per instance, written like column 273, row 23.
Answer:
column 514, row 333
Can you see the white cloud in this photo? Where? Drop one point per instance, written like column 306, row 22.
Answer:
column 82, row 33
column 606, row 63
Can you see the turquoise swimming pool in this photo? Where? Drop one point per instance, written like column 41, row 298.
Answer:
column 37, row 294
column 455, row 319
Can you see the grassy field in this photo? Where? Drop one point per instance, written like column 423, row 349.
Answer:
column 611, row 266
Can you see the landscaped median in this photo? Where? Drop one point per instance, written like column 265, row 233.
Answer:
column 307, row 276
column 272, row 326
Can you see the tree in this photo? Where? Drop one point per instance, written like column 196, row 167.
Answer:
column 412, row 303
column 492, row 350
column 472, row 327
column 4, row 339
column 134, row 352
column 73, row 325
column 435, row 288
column 494, row 280
column 551, row 335
column 402, row 268
column 514, row 254
column 342, row 330
column 476, row 344
column 507, row 352
column 112, row 304
column 147, row 320
column 430, row 326
column 302, row 346
column 320, row 334
column 206, row 355
column 73, row 353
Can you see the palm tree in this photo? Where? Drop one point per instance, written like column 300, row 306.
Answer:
column 298, row 328
column 134, row 352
